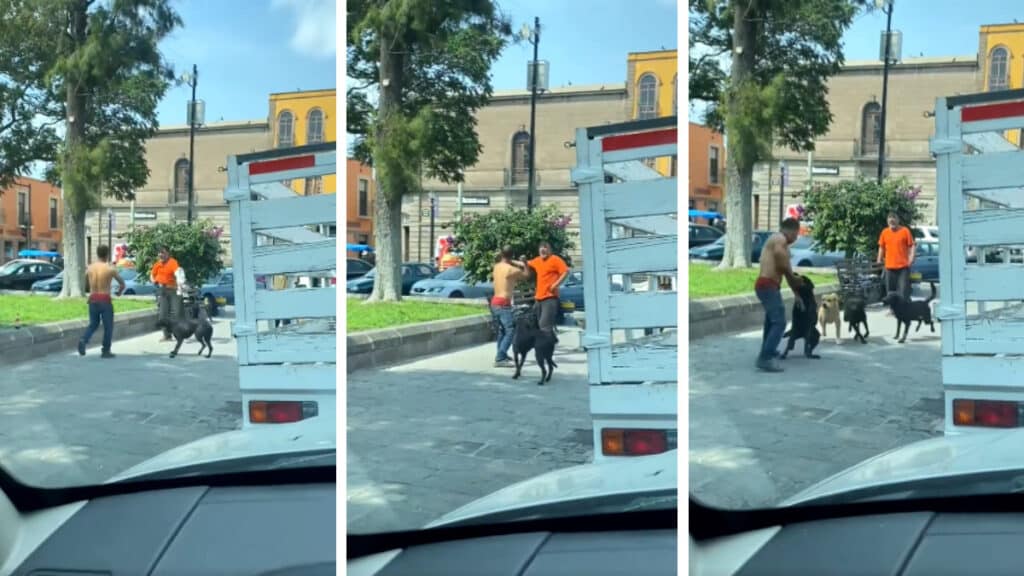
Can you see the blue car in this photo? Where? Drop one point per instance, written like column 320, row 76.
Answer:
column 452, row 283
column 926, row 262
column 412, row 272
column 51, row 285
column 716, row 250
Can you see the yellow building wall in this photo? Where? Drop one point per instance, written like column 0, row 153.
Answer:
column 300, row 104
column 664, row 65
column 1011, row 37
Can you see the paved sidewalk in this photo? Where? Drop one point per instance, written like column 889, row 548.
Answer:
column 68, row 420
column 431, row 435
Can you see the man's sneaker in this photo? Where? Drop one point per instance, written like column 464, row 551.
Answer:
column 81, row 348
column 770, row 366
column 503, row 363
column 107, row 355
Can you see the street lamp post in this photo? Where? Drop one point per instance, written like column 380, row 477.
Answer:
column 532, row 36
column 192, row 80
column 886, row 6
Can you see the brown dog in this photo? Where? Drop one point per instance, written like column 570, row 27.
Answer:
column 828, row 313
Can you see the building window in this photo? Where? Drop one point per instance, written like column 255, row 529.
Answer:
column 23, row 208
column 315, row 126
column 364, row 198
column 363, row 239
column 520, row 159
column 53, row 214
column 871, row 128
column 712, row 205
column 693, row 204
column 647, row 100
column 285, row 130
column 675, row 95
column 998, row 69
column 713, row 169
column 180, row 181
column 314, row 185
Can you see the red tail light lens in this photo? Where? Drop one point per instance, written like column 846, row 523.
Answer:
column 986, row 413
column 618, row 442
column 280, row 412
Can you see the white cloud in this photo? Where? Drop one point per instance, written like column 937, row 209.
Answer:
column 315, row 29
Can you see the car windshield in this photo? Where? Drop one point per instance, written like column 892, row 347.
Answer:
column 456, row 273
column 803, row 243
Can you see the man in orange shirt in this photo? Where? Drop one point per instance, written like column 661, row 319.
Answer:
column 549, row 271
column 169, row 304
column 896, row 250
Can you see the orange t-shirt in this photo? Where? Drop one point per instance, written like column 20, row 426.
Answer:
column 163, row 272
column 548, row 271
column 897, row 246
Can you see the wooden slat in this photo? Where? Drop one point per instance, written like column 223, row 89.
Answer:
column 295, row 258
column 664, row 150
column 296, row 303
column 643, row 309
column 1009, row 197
column 993, row 336
column 320, row 378
column 993, row 170
column 293, row 347
column 993, row 282
column 643, row 364
column 296, row 211
column 951, row 204
column 983, row 371
column 994, row 125
column 994, row 227
column 645, row 254
column 644, row 198
column 321, row 170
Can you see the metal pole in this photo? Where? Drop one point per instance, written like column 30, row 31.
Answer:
column 458, row 202
column 110, row 228
column 782, row 191
column 433, row 240
column 192, row 139
column 533, row 112
column 885, row 92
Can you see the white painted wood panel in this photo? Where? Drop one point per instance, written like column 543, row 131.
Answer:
column 994, row 335
column 995, row 170
column 643, row 309
column 320, row 378
column 993, row 227
column 297, row 348
column 994, row 125
column 983, row 371
column 993, row 282
column 644, row 254
column 628, row 363
column 295, row 211
column 296, row 303
column 294, row 258
column 638, row 153
column 630, row 199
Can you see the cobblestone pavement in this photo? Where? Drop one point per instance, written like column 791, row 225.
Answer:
column 756, row 438
column 428, row 436
column 68, row 420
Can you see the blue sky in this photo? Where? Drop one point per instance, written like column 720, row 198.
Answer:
column 247, row 49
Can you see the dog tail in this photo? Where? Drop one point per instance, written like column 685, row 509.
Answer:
column 553, row 363
column 932, row 297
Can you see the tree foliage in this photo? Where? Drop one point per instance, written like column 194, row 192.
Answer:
column 848, row 216
column 480, row 237
column 196, row 248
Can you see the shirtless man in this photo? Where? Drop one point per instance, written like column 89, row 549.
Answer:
column 506, row 274
column 100, row 275
column 774, row 265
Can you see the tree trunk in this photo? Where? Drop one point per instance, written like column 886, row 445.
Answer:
column 75, row 199
column 387, row 286
column 740, row 178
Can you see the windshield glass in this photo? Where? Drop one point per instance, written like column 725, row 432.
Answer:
column 456, row 273
column 153, row 385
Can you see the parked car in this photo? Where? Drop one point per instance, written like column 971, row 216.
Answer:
column 357, row 268
column 926, row 262
column 925, row 233
column 804, row 253
column 701, row 235
column 716, row 250
column 412, row 272
column 219, row 290
column 50, row 285
column 570, row 295
column 22, row 274
column 452, row 284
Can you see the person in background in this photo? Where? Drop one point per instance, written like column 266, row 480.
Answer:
column 549, row 271
column 506, row 273
column 775, row 265
column 100, row 275
column 169, row 304
column 896, row 249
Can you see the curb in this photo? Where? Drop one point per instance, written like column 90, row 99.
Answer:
column 30, row 342
column 467, row 301
column 713, row 316
column 388, row 346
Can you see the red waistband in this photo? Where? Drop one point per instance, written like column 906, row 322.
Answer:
column 767, row 284
column 97, row 298
column 500, row 301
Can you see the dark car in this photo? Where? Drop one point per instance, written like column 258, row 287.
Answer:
column 52, row 285
column 412, row 272
column 22, row 274
column 701, row 235
column 716, row 250
column 926, row 262
column 357, row 268
column 219, row 290
column 570, row 295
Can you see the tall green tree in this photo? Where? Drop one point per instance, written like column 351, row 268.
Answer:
column 421, row 70
column 775, row 93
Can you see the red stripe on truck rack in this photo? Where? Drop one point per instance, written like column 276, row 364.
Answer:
column 294, row 163
column 992, row 111
column 639, row 140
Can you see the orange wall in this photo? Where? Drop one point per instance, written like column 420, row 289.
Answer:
column 355, row 224
column 43, row 236
column 702, row 191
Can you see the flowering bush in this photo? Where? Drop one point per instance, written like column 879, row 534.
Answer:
column 196, row 248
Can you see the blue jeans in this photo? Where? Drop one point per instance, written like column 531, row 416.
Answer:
column 506, row 330
column 774, row 322
column 100, row 311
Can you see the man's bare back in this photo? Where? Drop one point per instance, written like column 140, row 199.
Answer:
column 775, row 257
column 100, row 276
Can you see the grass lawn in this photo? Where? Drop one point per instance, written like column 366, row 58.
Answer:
column 46, row 309
column 361, row 316
column 707, row 281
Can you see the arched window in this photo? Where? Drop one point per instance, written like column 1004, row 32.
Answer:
column 520, row 159
column 647, row 97
column 181, row 181
column 285, row 130
column 998, row 69
column 315, row 126
column 871, row 128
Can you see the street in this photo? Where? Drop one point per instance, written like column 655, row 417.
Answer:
column 758, row 438
column 68, row 420
column 428, row 436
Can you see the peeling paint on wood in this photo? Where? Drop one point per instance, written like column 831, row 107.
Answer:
column 294, row 258
column 644, row 254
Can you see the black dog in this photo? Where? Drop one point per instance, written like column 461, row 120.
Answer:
column 907, row 311
column 197, row 324
column 529, row 336
column 854, row 313
column 805, row 321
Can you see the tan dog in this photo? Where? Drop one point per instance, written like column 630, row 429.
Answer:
column 828, row 313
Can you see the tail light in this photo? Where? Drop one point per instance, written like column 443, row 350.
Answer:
column 280, row 412
column 986, row 413
column 633, row 442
